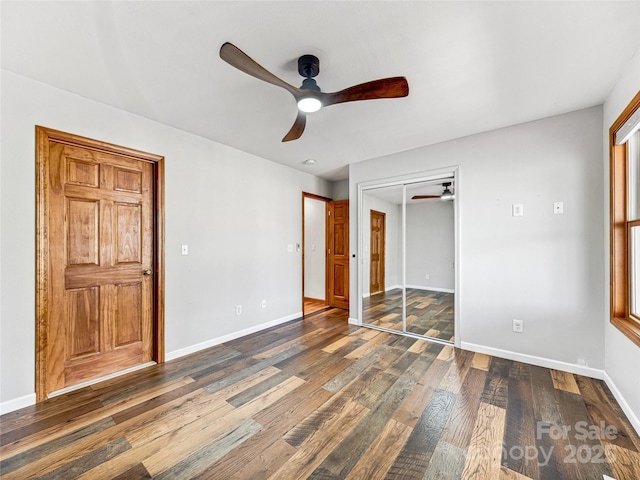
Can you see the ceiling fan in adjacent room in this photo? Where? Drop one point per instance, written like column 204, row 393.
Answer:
column 309, row 97
column 446, row 194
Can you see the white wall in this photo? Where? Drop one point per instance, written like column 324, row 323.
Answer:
column 237, row 212
column 430, row 245
column 542, row 268
column 314, row 248
column 340, row 190
column 622, row 356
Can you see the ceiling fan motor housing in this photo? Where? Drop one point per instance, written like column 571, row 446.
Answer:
column 308, row 66
column 310, row 84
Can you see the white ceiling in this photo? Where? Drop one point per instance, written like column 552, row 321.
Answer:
column 471, row 66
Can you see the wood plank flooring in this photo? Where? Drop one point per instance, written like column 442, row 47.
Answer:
column 429, row 313
column 312, row 305
column 319, row 398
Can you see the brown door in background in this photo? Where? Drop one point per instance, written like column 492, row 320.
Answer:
column 377, row 249
column 338, row 250
column 98, row 260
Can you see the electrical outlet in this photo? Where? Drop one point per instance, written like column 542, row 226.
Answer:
column 426, row 277
column 264, row 303
column 518, row 326
column 558, row 207
column 238, row 309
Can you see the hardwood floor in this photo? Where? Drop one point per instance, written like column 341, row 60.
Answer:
column 428, row 313
column 312, row 305
column 319, row 398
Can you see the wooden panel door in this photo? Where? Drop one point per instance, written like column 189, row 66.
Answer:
column 338, row 247
column 101, row 264
column 377, row 251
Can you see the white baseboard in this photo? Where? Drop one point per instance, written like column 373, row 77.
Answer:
column 387, row 289
column 17, row 403
column 355, row 321
column 431, row 289
column 231, row 336
column 533, row 360
column 631, row 415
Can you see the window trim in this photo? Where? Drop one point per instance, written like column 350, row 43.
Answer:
column 619, row 248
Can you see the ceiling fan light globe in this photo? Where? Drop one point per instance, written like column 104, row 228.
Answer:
column 309, row 104
column 447, row 196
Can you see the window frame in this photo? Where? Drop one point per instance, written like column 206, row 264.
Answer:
column 620, row 228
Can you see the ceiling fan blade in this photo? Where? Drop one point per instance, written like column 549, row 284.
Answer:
column 393, row 87
column 297, row 128
column 243, row 62
column 423, row 197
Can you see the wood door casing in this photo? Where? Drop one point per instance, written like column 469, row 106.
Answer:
column 99, row 229
column 377, row 252
column 339, row 254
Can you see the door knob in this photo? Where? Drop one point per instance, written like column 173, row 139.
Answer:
column 146, row 271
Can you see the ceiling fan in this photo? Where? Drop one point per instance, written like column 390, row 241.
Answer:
column 446, row 194
column 309, row 97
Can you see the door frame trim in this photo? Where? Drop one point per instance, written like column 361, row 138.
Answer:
column 44, row 136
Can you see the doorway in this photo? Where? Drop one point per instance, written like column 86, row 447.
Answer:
column 100, row 260
column 325, row 253
column 314, row 253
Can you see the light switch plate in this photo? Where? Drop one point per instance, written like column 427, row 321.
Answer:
column 185, row 249
column 517, row 209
